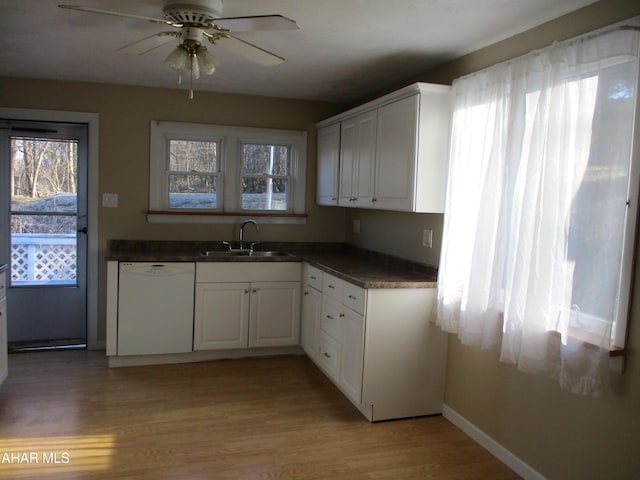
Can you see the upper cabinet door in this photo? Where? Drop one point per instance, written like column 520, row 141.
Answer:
column 396, row 145
column 328, row 164
column 357, row 160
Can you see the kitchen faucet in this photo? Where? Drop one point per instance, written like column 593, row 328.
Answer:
column 242, row 229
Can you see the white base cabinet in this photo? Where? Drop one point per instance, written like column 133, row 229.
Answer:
column 380, row 349
column 311, row 311
column 260, row 307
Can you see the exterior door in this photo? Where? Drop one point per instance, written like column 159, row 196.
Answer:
column 44, row 231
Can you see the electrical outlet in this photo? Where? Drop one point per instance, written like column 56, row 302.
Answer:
column 356, row 226
column 427, row 238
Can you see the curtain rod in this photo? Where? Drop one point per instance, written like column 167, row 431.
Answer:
column 579, row 38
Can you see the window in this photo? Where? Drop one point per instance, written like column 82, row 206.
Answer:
column 265, row 177
column 193, row 174
column 207, row 169
column 541, row 208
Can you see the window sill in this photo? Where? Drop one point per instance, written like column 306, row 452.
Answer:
column 195, row 217
column 617, row 355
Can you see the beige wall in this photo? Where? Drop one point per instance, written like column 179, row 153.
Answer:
column 125, row 114
column 562, row 436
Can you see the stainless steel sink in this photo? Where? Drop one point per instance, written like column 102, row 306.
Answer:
column 244, row 253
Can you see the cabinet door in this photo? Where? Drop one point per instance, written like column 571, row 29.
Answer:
column 274, row 314
column 351, row 354
column 357, row 160
column 310, row 324
column 348, row 158
column 396, row 149
column 221, row 316
column 328, row 164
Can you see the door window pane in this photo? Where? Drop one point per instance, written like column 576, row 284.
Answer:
column 43, row 211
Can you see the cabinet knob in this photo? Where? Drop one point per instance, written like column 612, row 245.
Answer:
column 306, row 293
column 341, row 315
column 254, row 290
column 246, row 290
column 374, row 200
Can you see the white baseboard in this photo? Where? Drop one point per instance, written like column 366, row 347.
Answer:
column 505, row 456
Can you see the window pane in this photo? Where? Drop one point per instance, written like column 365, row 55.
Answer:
column 265, row 159
column 193, row 191
column 264, row 193
column 43, row 174
column 43, row 250
column 193, row 156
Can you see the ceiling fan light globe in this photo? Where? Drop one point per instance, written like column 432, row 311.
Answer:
column 178, row 61
column 207, row 62
column 195, row 67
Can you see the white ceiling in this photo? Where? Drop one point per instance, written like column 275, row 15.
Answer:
column 345, row 50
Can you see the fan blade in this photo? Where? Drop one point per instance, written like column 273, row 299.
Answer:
column 258, row 22
column 119, row 14
column 247, row 50
column 149, row 43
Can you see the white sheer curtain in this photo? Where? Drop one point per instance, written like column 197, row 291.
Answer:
column 536, row 206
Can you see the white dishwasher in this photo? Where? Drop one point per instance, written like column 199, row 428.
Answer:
column 155, row 307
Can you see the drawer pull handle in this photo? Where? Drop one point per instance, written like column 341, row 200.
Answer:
column 341, row 315
column 331, row 286
column 326, row 355
column 313, row 277
column 352, row 297
column 330, row 317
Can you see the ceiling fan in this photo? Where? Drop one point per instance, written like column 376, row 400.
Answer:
column 195, row 22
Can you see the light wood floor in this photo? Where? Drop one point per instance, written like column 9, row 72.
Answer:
column 274, row 418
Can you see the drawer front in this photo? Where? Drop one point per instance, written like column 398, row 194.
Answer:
column 331, row 314
column 313, row 277
column 211, row 272
column 355, row 297
column 329, row 355
column 332, row 286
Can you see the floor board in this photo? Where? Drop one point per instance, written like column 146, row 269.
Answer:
column 66, row 415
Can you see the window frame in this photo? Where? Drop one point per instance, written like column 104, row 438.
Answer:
column 229, row 205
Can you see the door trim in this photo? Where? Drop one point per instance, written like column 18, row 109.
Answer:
column 92, row 122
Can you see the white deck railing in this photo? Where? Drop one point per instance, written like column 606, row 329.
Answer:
column 43, row 259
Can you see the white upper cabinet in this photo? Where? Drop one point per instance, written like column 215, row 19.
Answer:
column 328, row 164
column 393, row 151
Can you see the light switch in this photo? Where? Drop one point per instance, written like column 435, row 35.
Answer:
column 427, row 238
column 110, row 200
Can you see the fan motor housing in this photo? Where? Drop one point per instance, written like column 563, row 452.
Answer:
column 193, row 12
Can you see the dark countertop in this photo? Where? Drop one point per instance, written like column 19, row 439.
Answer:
column 361, row 267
